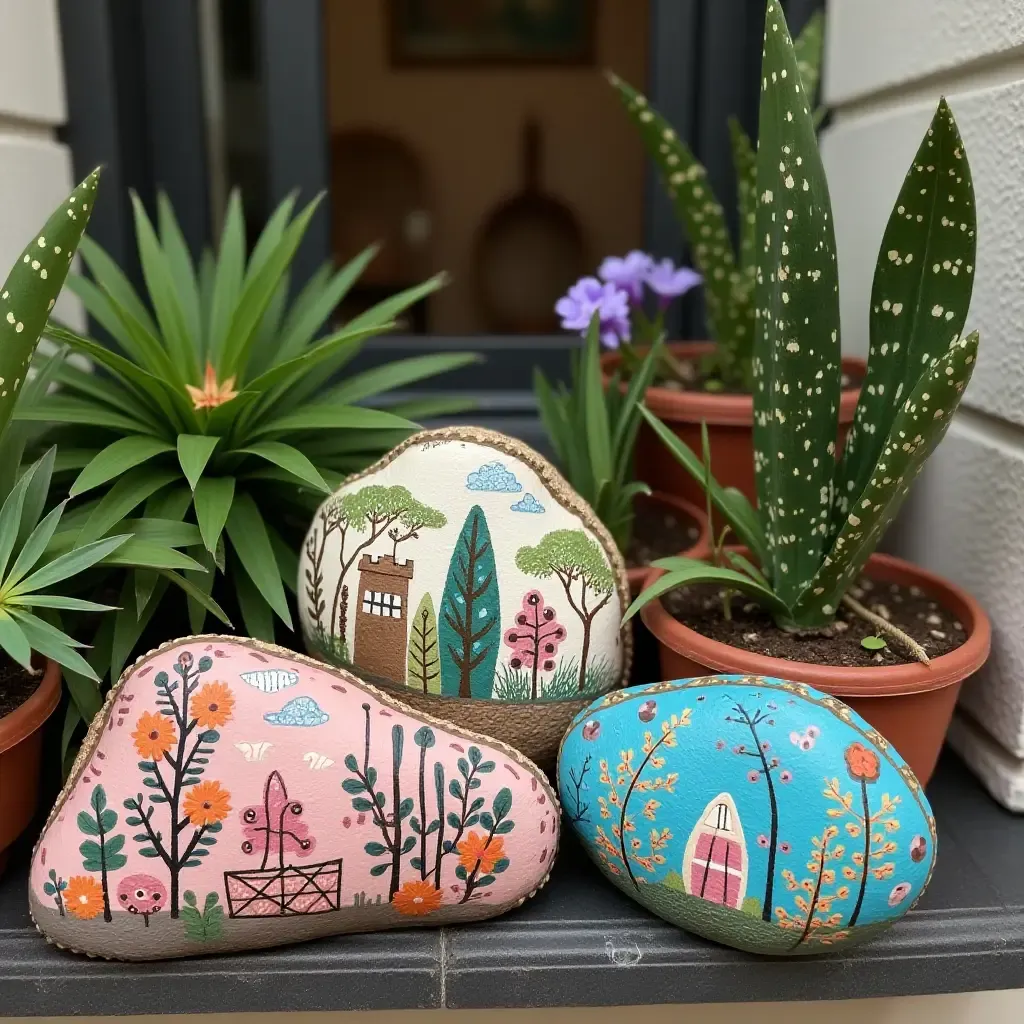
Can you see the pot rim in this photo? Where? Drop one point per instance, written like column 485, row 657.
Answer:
column 30, row 716
column 637, row 574
column 718, row 409
column 888, row 681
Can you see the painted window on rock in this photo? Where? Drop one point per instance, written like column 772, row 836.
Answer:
column 387, row 605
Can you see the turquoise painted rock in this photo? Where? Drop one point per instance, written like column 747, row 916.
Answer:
column 756, row 812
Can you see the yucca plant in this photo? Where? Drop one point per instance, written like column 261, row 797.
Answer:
column 218, row 407
column 819, row 518
column 593, row 431
column 728, row 270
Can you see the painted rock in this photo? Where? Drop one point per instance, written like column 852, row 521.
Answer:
column 758, row 813
column 203, row 816
column 465, row 570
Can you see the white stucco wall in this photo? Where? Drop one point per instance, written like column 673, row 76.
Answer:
column 888, row 61
column 35, row 169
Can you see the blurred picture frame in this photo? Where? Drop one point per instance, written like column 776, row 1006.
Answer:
column 482, row 33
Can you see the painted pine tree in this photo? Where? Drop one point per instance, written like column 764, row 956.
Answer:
column 468, row 631
column 424, row 664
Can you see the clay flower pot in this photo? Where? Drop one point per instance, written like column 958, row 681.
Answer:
column 911, row 705
column 730, row 420
column 21, row 742
column 700, row 548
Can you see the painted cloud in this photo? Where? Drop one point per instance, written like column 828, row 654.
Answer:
column 528, row 503
column 493, row 476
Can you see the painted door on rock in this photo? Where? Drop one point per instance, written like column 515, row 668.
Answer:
column 715, row 859
column 429, row 570
column 233, row 785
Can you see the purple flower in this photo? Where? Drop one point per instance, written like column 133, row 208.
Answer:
column 589, row 296
column 629, row 272
column 668, row 281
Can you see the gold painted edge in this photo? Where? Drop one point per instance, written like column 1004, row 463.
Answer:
column 99, row 722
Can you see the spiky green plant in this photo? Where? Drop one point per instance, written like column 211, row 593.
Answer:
column 593, row 430
column 219, row 407
column 819, row 519
column 728, row 270
column 43, row 559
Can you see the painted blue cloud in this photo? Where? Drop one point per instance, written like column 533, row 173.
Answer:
column 298, row 711
column 493, row 476
column 528, row 503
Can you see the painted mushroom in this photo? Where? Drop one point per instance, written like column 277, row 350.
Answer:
column 141, row 894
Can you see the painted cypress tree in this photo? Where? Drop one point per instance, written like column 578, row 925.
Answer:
column 469, row 631
column 424, row 665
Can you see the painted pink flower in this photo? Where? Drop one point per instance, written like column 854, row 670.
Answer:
column 786, row 776
column 739, row 750
column 785, row 847
column 753, row 776
column 762, row 840
column 766, row 746
column 720, row 745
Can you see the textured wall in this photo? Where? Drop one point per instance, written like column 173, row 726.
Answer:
column 35, row 170
column 888, row 62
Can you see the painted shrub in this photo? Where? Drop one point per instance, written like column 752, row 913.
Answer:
column 249, row 797
column 415, row 572
column 756, row 812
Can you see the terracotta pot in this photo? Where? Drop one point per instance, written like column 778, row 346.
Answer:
column 910, row 705
column 21, row 743
column 700, row 548
column 730, row 420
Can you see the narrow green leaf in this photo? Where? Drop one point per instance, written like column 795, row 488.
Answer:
column 35, row 495
column 808, row 47
column 389, row 309
column 101, row 389
column 194, row 451
column 797, row 346
column 213, row 498
column 433, row 407
column 14, row 641
column 124, row 495
column 227, row 281
column 595, row 414
column 129, row 624
column 139, row 553
column 116, row 459
column 71, row 604
column 65, row 410
column 203, row 581
column 33, row 548
column 10, row 516
column 52, row 643
column 289, row 459
column 191, row 590
column 249, row 539
column 179, row 264
column 113, row 281
column 33, row 284
column 683, row 572
column 160, row 286
column 70, row 564
column 745, row 163
column 398, row 374
column 271, row 235
column 328, row 416
column 921, row 292
column 173, row 532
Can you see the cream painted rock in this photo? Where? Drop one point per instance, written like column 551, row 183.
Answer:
column 464, row 569
column 753, row 811
column 233, row 795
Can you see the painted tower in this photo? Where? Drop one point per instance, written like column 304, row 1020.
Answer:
column 382, row 609
column 715, row 858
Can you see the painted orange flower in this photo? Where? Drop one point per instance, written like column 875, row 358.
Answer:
column 83, row 897
column 211, row 394
column 475, row 848
column 154, row 735
column 212, row 705
column 206, row 803
column 417, row 898
column 862, row 762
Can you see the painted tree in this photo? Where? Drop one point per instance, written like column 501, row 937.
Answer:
column 624, row 847
column 424, row 739
column 372, row 510
column 424, row 661
column 873, row 828
column 470, row 613
column 535, row 638
column 814, row 919
column 394, row 847
column 471, row 767
column 582, row 569
column 764, row 769
column 54, row 888
column 175, row 746
column 103, row 852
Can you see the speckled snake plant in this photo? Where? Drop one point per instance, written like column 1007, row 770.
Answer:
column 729, row 274
column 820, row 517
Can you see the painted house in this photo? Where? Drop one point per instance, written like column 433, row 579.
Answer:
column 715, row 859
column 382, row 610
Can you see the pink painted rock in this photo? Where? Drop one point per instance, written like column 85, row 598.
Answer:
column 233, row 795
